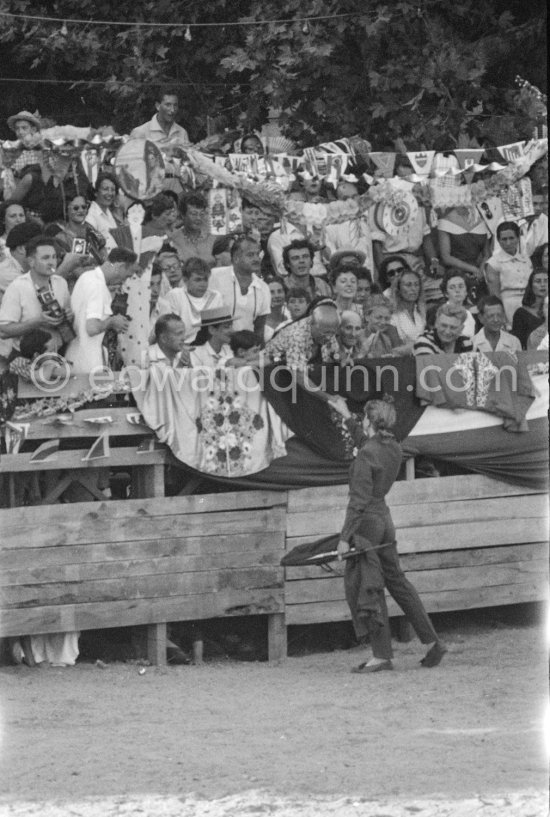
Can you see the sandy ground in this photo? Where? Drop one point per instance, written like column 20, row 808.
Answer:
column 301, row 739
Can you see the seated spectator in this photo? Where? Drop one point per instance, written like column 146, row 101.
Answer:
column 507, row 271
column 160, row 218
column 279, row 313
column 539, row 259
column 77, row 235
column 155, row 284
column 454, row 287
column 171, row 267
column 350, row 338
column 190, row 300
column 389, row 271
column 382, row 338
column 364, row 289
column 446, row 335
column 409, row 317
column 170, row 348
column 212, row 347
column 297, row 301
column 103, row 213
column 245, row 294
column 37, row 299
column 530, row 314
column 193, row 239
column 34, row 344
column 464, row 241
column 347, row 257
column 309, row 340
column 493, row 338
column 11, row 214
column 298, row 259
column 245, row 345
column 344, row 286
column 538, row 339
column 93, row 314
column 15, row 263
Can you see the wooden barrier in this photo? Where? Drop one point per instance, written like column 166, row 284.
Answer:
column 465, row 542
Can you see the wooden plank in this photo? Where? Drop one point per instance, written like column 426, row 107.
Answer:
column 16, row 463
column 76, row 384
column 428, row 514
column 276, row 637
column 460, row 536
column 156, row 643
column 428, row 581
column 404, row 492
column 147, row 480
column 441, row 559
column 95, row 616
column 46, row 429
column 143, row 567
column 201, row 547
column 142, row 587
column 95, row 526
column 436, row 602
column 167, row 506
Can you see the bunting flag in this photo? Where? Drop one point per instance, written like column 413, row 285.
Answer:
column 384, row 162
column 512, row 152
column 14, row 434
column 468, row 157
column 46, row 451
column 99, row 449
column 421, row 161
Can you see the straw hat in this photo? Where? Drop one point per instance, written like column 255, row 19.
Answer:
column 27, row 116
column 336, row 257
column 211, row 317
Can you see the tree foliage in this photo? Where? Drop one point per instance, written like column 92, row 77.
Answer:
column 416, row 68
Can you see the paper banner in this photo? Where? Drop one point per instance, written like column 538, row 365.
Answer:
column 46, row 451
column 468, row 157
column 384, row 162
column 244, row 163
column 491, row 212
column 513, row 152
column 217, row 211
column 421, row 161
column 99, row 449
column 517, row 200
column 340, row 146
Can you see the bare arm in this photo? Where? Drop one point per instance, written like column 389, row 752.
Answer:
column 492, row 276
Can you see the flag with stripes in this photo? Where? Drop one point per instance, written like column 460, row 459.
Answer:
column 46, row 451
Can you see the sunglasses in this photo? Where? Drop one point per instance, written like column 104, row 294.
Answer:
column 395, row 271
column 79, row 207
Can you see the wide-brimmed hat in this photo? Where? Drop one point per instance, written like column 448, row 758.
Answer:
column 27, row 116
column 211, row 317
column 336, row 257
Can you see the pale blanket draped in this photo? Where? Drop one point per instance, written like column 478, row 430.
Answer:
column 217, row 421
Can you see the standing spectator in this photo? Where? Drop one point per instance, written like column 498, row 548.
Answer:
column 163, row 128
column 446, row 335
column 243, row 291
column 190, row 300
column 409, row 317
column 25, row 302
column 29, row 189
column 102, row 213
column 297, row 260
column 193, row 240
column 530, row 315
column 507, row 270
column 93, row 315
column 464, row 241
column 492, row 337
column 285, row 235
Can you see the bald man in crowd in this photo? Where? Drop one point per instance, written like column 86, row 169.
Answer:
column 312, row 339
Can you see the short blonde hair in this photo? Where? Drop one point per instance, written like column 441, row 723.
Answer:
column 381, row 414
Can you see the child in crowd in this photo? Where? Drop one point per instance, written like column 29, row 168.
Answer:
column 297, row 301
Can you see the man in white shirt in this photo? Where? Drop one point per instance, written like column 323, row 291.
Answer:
column 23, row 307
column 91, row 304
column 246, row 296
column 284, row 235
column 493, row 338
column 163, row 128
column 170, row 348
column 216, row 352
